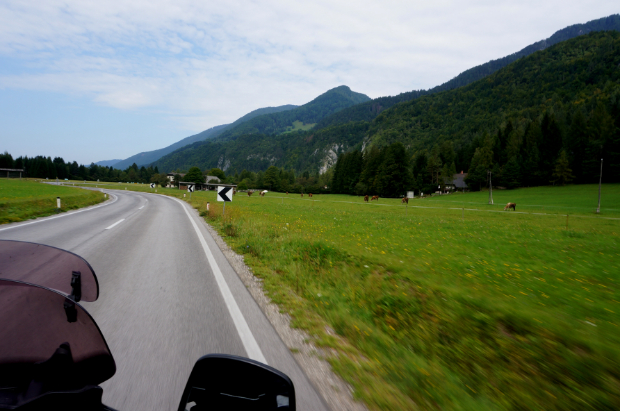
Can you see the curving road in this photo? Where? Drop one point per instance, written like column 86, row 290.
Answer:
column 162, row 303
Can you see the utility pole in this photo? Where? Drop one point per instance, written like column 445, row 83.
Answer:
column 490, row 189
column 600, row 179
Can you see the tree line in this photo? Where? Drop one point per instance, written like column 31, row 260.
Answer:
column 558, row 146
column 46, row 167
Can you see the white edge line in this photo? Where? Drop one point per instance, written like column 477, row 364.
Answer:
column 115, row 224
column 61, row 215
column 249, row 342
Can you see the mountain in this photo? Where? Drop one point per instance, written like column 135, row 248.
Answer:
column 148, row 157
column 107, row 163
column 303, row 117
column 369, row 110
column 285, row 124
column 559, row 82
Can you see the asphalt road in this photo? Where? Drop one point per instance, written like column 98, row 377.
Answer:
column 162, row 303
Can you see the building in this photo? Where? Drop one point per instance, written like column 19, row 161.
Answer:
column 458, row 181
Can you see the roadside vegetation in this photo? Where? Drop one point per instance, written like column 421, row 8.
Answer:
column 24, row 199
column 449, row 303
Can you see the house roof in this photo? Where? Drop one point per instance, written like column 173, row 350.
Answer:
column 459, row 180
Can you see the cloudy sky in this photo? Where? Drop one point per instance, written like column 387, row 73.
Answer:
column 92, row 80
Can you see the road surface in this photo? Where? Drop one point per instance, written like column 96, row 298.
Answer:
column 162, row 303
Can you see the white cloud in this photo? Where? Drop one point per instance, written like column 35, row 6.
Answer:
column 208, row 63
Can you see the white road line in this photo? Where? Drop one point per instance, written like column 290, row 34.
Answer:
column 141, row 208
column 249, row 342
column 115, row 224
column 61, row 215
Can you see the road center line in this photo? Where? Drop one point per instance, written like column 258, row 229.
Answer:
column 115, row 224
column 249, row 342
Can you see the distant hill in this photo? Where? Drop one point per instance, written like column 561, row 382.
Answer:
column 148, row 157
column 276, row 123
column 369, row 110
column 330, row 102
column 107, row 163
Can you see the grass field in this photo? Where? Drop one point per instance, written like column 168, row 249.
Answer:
column 24, row 199
column 299, row 125
column 449, row 303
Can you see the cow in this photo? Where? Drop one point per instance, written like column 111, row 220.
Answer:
column 405, row 200
column 511, row 205
column 302, row 194
column 309, row 194
column 250, row 193
column 366, row 199
column 375, row 198
column 234, row 191
column 287, row 193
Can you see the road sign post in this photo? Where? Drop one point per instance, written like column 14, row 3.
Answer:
column 190, row 190
column 224, row 194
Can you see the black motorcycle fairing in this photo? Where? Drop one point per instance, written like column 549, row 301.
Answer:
column 35, row 325
column 49, row 267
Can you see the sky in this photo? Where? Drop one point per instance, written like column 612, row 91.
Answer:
column 97, row 80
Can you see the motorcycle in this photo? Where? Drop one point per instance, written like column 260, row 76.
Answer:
column 54, row 356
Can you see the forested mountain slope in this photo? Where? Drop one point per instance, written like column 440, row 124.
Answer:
column 526, row 107
column 369, row 110
column 148, row 157
column 309, row 114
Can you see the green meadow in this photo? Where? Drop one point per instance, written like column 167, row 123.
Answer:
column 448, row 303
column 25, row 199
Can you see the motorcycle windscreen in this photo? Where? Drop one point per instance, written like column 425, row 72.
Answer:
column 46, row 266
column 34, row 323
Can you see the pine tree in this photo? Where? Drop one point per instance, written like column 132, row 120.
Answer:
column 562, row 174
column 511, row 173
column 393, row 178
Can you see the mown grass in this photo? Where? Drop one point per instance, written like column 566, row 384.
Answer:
column 299, row 125
column 23, row 199
column 435, row 307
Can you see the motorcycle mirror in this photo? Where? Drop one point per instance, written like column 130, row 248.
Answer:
column 228, row 382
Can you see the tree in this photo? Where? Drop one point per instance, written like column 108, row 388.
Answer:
column 270, row 179
column 511, row 174
column 194, row 175
column 218, row 173
column 562, row 173
column 393, row 177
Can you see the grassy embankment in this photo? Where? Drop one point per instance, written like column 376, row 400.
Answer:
column 23, row 199
column 436, row 307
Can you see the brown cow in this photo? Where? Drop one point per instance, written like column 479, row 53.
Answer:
column 302, row 194
column 287, row 193
column 366, row 198
column 511, row 205
column 234, row 191
column 375, row 198
column 250, row 193
column 405, row 200
column 309, row 194
column 262, row 194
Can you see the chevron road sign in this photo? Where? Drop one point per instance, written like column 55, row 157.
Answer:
column 224, row 194
column 190, row 188
column 152, row 185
